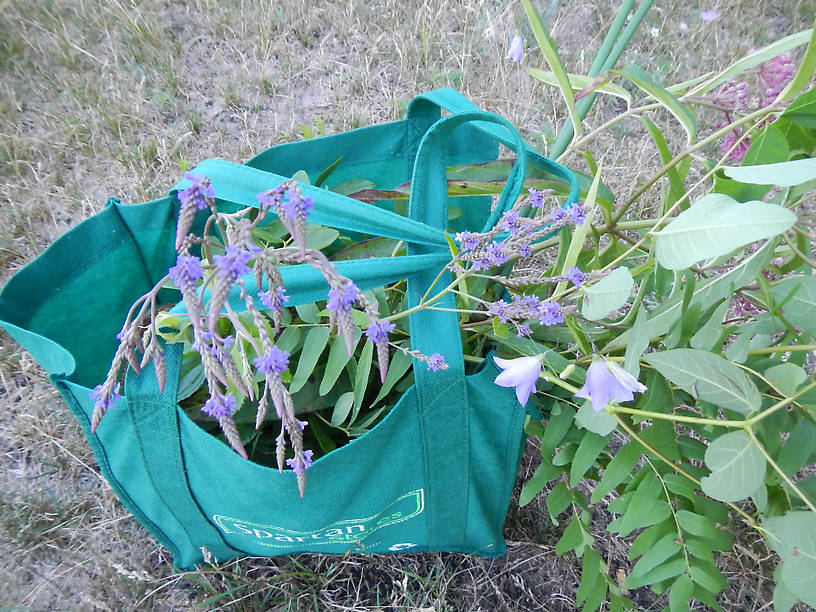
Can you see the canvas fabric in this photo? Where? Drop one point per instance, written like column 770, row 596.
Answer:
column 435, row 475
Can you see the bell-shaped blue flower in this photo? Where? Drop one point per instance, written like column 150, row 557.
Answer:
column 607, row 382
column 521, row 373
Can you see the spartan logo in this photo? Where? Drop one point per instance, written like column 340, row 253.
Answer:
column 346, row 531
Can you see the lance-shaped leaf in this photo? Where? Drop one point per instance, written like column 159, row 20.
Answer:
column 737, row 468
column 580, row 82
column 708, row 377
column 797, row 294
column 716, row 225
column 783, row 174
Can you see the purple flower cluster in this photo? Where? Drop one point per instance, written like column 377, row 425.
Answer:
column 528, row 307
column 732, row 95
column 378, row 331
column 297, row 206
column 233, row 263
column 274, row 362
column 220, row 405
column 729, row 140
column 575, row 276
column 342, row 298
column 186, row 271
column 495, row 254
column 536, row 197
column 198, row 192
column 774, row 75
column 300, row 464
column 274, row 300
column 511, row 222
column 467, row 240
column 436, row 362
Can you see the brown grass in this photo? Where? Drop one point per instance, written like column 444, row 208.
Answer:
column 106, row 98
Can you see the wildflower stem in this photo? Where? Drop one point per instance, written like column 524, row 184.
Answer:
column 797, row 252
column 678, row 418
column 780, row 404
column 769, row 350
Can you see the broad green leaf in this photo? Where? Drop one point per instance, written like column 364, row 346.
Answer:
column 708, row 576
column 580, row 82
column 571, row 539
column 342, row 409
column 754, row 59
column 705, row 293
column 352, row 186
column 798, row 448
column 716, row 225
column 768, row 147
column 558, row 500
column 308, row 313
column 711, row 332
column 696, row 524
column 313, row 345
column 648, row 537
column 672, row 104
column 556, row 429
column 793, row 537
column 547, row 46
column 191, row 378
column 337, row 360
column 289, row 339
column 588, row 451
column 607, row 295
column 361, row 378
column 601, row 423
column 799, row 307
column 782, row 174
column 671, row 569
column 737, row 468
column 803, row 110
column 785, row 377
column 804, row 74
column 617, row 470
column 321, row 237
column 783, row 597
column 709, row 377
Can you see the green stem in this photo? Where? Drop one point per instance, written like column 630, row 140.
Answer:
column 775, row 466
column 679, row 418
column 779, row 405
column 769, row 350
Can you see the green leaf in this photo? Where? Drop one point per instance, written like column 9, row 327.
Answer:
column 804, row 74
column 558, row 500
column 617, row 470
column 313, row 345
column 793, row 537
column 337, row 360
column 638, row 344
column 580, row 82
column 768, row 147
column 680, row 594
column 754, row 59
column 320, row 237
column 782, row 174
column 365, row 249
column 677, row 188
column 658, row 574
column 709, row 377
column 783, row 597
column 547, row 46
column 601, row 423
column 361, row 377
column 716, row 225
column 708, row 576
column 592, row 580
column 572, row 538
column 289, row 339
column 581, row 231
column 680, row 111
column 588, row 451
column 785, row 377
column 664, row 549
column 308, row 313
column 544, row 473
column 800, row 307
column 648, row 537
column 707, row 337
column 400, row 363
column 342, row 409
column 557, row 428
column 798, row 448
column 696, row 524
column 737, row 468
column 191, row 378
column 609, row 294
column 803, row 110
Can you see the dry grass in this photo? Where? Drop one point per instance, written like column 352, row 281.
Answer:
column 106, row 98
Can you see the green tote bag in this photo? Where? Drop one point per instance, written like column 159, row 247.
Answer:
column 436, row 474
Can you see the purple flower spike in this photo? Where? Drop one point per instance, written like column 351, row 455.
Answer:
column 220, row 405
column 558, row 214
column 274, row 301
column 378, row 331
column 576, row 213
column 274, row 362
column 300, row 465
column 521, row 373
column 437, row 362
column 233, row 263
column 196, row 193
column 575, row 276
column 516, row 51
column 186, row 271
column 550, row 313
column 536, row 198
column 296, row 206
column 606, row 382
column 467, row 240
column 101, row 402
column 342, row 297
